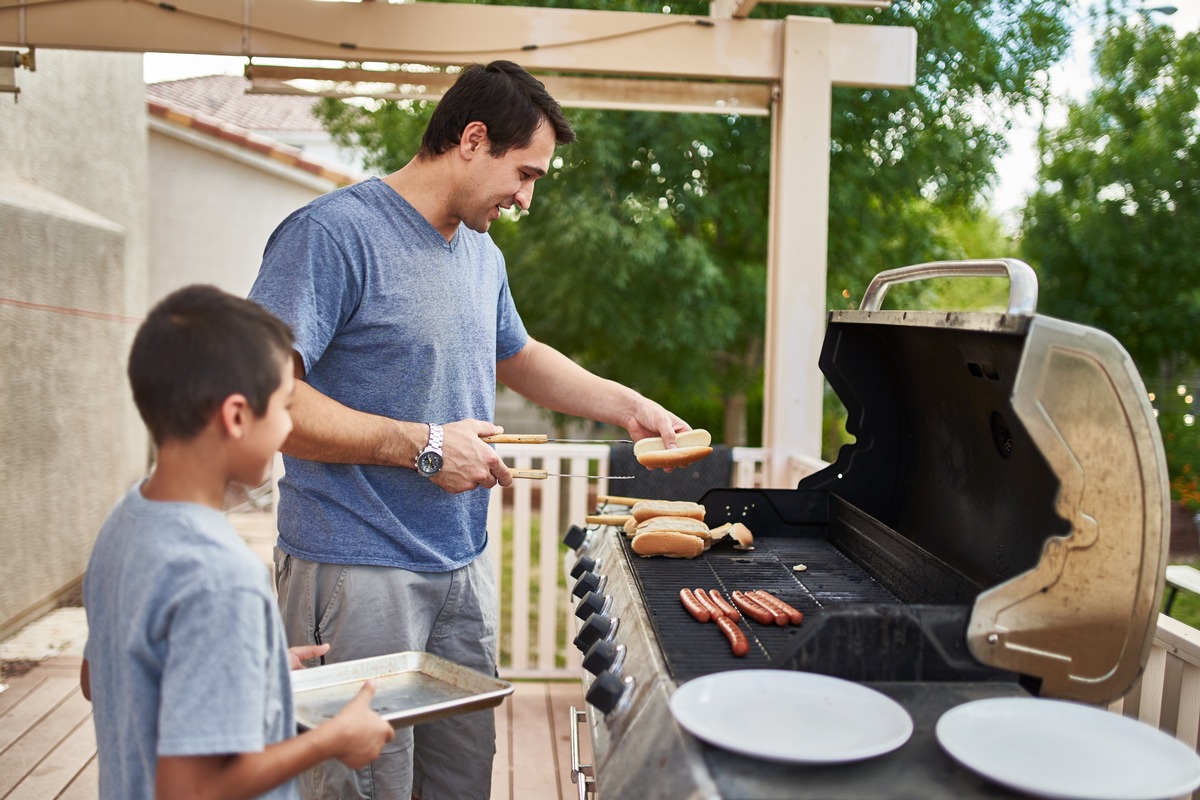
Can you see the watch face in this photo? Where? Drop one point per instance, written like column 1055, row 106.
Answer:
column 429, row 463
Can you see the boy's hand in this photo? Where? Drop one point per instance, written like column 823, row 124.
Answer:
column 361, row 732
column 305, row 652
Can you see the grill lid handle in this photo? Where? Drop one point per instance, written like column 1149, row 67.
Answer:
column 1022, row 280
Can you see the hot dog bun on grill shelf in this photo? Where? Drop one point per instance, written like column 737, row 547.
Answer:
column 648, row 509
column 667, row 543
column 690, row 446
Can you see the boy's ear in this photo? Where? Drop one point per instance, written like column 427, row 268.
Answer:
column 234, row 414
column 474, row 140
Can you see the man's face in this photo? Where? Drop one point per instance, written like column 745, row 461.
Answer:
column 500, row 183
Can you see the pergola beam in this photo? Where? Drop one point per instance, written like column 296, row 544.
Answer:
column 438, row 34
column 689, row 97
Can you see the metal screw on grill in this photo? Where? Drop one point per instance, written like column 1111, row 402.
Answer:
column 575, row 537
column 592, row 603
column 584, row 564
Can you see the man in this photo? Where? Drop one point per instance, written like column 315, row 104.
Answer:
column 404, row 323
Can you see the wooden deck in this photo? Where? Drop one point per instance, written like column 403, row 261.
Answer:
column 48, row 743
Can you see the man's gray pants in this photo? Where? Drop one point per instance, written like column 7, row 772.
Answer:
column 364, row 611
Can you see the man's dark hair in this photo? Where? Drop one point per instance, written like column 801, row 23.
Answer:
column 197, row 347
column 505, row 98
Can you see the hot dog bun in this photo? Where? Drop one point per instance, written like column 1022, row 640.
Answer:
column 667, row 543
column 741, row 535
column 675, row 457
column 666, row 508
column 696, row 438
column 688, row 525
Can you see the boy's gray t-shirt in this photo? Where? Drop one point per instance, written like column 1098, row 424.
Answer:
column 186, row 650
column 390, row 319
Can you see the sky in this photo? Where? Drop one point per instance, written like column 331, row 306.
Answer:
column 1016, row 170
column 1071, row 78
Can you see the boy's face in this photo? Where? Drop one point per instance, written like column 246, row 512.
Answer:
column 266, row 434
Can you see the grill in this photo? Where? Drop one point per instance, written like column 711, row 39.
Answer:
column 996, row 529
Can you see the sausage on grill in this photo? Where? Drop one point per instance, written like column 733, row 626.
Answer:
column 720, row 602
column 766, row 598
column 693, row 606
column 752, row 609
column 714, row 612
column 737, row 639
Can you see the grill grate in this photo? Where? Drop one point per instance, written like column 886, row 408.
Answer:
column 692, row 649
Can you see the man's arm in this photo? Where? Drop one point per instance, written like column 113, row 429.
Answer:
column 326, row 430
column 545, row 376
column 355, row 736
column 85, row 680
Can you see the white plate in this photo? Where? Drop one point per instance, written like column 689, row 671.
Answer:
column 1055, row 748
column 789, row 716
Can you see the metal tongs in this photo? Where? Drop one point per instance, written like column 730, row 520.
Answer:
column 541, row 438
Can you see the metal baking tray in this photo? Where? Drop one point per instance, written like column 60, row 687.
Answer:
column 411, row 688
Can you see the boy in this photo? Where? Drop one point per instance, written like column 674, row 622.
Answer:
column 186, row 649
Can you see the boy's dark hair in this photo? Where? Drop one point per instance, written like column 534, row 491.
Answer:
column 197, row 347
column 503, row 96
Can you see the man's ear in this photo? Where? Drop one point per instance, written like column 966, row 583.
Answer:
column 234, row 414
column 474, row 140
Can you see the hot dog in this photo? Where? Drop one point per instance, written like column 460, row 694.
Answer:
column 720, row 602
column 689, row 446
column 737, row 639
column 795, row 617
column 713, row 610
column 752, row 609
column 693, row 607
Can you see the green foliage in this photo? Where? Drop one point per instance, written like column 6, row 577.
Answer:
column 1113, row 229
column 644, row 256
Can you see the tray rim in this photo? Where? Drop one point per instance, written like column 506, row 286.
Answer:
column 308, row 680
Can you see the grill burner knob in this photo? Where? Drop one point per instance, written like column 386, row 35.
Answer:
column 596, row 628
column 574, row 537
column 584, row 564
column 592, row 603
column 605, row 692
column 588, row 582
column 601, row 656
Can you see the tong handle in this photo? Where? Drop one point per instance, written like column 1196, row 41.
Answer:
column 1022, row 281
column 517, row 438
column 535, row 474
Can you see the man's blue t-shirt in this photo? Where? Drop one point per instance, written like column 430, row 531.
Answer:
column 390, row 319
column 185, row 649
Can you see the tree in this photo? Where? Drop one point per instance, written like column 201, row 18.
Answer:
column 644, row 257
column 1113, row 228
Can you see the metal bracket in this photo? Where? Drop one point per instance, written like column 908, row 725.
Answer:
column 10, row 61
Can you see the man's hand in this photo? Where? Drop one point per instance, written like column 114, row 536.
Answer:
column 648, row 418
column 360, row 732
column 468, row 462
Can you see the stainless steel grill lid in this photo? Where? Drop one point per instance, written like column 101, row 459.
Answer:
column 1020, row 452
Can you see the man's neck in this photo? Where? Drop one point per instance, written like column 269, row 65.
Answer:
column 423, row 183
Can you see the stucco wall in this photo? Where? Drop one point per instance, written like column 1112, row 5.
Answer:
column 212, row 207
column 73, row 280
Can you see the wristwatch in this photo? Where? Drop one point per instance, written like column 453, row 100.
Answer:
column 429, row 460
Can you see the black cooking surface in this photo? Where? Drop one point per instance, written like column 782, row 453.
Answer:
column 692, row 649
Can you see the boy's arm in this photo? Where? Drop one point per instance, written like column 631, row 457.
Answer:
column 354, row 737
column 85, row 681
